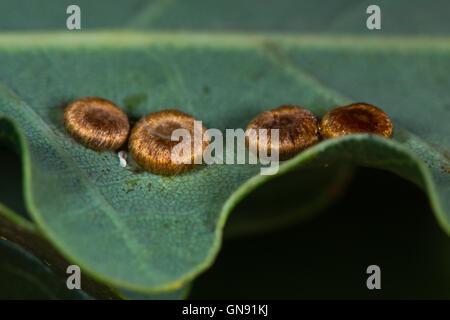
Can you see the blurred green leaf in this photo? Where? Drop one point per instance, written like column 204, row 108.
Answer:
column 179, row 294
column 22, row 276
column 25, row 234
column 293, row 16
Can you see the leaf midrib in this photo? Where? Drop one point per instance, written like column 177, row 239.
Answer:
column 133, row 39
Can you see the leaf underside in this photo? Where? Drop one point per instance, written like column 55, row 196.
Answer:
column 149, row 233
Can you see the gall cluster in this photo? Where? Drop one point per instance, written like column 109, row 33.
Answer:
column 101, row 125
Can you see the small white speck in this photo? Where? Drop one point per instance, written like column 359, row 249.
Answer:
column 122, row 158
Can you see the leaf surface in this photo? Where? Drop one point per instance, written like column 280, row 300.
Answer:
column 150, row 233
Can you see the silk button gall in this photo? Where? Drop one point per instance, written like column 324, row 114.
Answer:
column 151, row 146
column 356, row 118
column 96, row 123
column 298, row 130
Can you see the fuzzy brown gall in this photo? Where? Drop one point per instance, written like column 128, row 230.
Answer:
column 356, row 118
column 298, row 129
column 151, row 146
column 96, row 123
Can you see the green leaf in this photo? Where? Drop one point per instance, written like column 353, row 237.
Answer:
column 51, row 14
column 13, row 227
column 301, row 16
column 149, row 233
column 322, row 16
column 22, row 276
column 178, row 294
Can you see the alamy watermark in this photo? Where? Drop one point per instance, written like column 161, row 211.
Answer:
column 373, row 22
column 73, row 21
column 74, row 280
column 374, row 280
column 262, row 146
